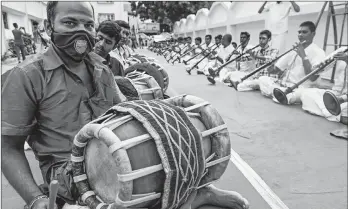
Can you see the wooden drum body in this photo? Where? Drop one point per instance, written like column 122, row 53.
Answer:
column 117, row 160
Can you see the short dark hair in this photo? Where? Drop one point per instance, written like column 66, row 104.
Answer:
column 218, row 37
column 189, row 37
column 123, row 24
column 229, row 37
column 111, row 29
column 180, row 39
column 310, row 25
column 15, row 25
column 267, row 33
column 198, row 39
column 208, row 36
column 246, row 34
column 51, row 10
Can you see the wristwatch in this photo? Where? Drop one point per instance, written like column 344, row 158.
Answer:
column 30, row 206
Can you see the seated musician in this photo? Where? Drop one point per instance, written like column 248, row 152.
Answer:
column 223, row 55
column 108, row 36
column 211, row 59
column 196, row 52
column 49, row 98
column 244, row 64
column 119, row 52
column 207, row 47
column 265, row 53
column 312, row 98
column 177, row 50
column 296, row 64
column 188, row 49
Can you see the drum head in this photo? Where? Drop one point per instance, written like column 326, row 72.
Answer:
column 148, row 69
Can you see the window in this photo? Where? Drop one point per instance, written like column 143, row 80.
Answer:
column 4, row 17
column 105, row 16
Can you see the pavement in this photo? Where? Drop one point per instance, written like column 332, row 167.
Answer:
column 291, row 150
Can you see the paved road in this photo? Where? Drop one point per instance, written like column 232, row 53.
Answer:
column 289, row 149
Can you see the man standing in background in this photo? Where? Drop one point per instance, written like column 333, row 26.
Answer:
column 277, row 21
column 18, row 41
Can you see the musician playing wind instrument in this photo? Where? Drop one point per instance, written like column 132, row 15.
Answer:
column 198, row 50
column 312, row 98
column 263, row 54
column 224, row 54
column 189, row 47
column 296, row 64
column 245, row 63
column 211, row 59
column 207, row 46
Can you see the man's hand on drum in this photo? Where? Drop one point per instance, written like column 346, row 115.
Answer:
column 42, row 204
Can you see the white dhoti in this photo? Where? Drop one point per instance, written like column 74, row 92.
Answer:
column 312, row 102
column 249, row 85
column 279, row 42
column 210, row 64
column 267, row 84
column 224, row 74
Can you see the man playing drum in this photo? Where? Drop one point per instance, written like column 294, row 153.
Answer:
column 296, row 64
column 265, row 53
column 108, row 36
column 50, row 98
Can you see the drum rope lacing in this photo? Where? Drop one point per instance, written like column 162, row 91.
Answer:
column 111, row 123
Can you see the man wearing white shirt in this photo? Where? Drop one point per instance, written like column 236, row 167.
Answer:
column 277, row 21
column 296, row 64
column 223, row 55
column 207, row 46
column 211, row 59
column 243, row 65
column 197, row 50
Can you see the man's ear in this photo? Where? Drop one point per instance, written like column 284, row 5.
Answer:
column 48, row 28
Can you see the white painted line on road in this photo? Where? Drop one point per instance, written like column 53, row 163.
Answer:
column 255, row 180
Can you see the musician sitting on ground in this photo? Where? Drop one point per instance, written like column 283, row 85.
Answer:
column 197, row 51
column 223, row 55
column 108, row 36
column 312, row 98
column 189, row 47
column 120, row 52
column 211, row 59
column 177, row 50
column 207, row 47
column 296, row 64
column 49, row 99
column 263, row 54
column 244, row 64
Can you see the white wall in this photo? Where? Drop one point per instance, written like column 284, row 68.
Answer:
column 243, row 16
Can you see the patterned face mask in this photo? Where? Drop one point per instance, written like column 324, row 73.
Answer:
column 76, row 44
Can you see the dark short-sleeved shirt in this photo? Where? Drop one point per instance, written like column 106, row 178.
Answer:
column 115, row 66
column 18, row 37
column 44, row 99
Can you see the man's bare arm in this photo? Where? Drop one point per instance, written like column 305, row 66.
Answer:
column 15, row 167
column 295, row 6
column 262, row 7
